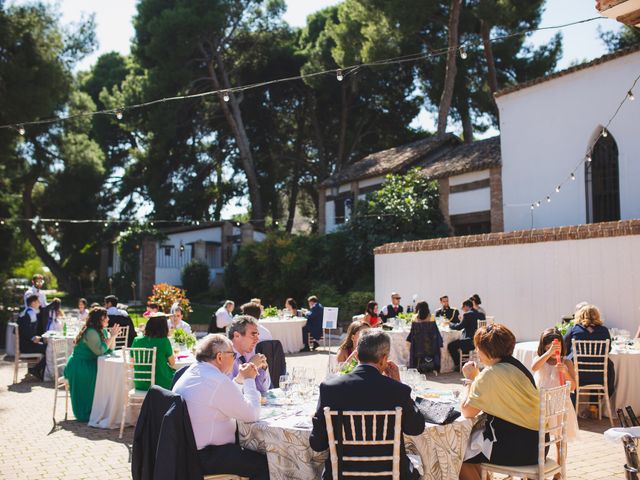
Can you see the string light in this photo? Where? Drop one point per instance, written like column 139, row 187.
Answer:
column 463, row 53
column 21, row 131
column 226, row 97
column 604, row 132
column 388, row 61
column 532, row 206
column 538, row 203
column 630, row 95
column 548, row 199
column 558, row 189
column 57, row 224
column 573, row 176
column 106, row 224
column 119, row 114
column 588, row 159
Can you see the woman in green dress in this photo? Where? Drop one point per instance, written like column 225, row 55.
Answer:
column 82, row 367
column 155, row 335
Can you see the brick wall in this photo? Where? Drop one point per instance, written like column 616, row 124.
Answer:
column 554, row 234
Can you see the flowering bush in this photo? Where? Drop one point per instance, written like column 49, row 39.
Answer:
column 166, row 295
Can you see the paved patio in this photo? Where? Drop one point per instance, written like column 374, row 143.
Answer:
column 32, row 449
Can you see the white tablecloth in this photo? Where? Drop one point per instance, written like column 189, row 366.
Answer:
column 108, row 397
column 289, row 332
column 400, row 347
column 283, row 435
column 627, row 366
column 48, row 372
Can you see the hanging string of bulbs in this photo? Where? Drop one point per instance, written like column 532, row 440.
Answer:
column 588, row 157
column 340, row 74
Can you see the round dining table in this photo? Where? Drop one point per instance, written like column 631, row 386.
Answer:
column 287, row 330
column 400, row 347
column 626, row 364
column 109, row 394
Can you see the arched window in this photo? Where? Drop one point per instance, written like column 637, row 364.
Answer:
column 602, row 181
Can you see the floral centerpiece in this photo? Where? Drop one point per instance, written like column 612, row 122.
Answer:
column 180, row 337
column 270, row 312
column 564, row 327
column 406, row 317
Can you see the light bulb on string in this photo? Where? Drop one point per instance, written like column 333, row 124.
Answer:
column 226, row 97
column 588, row 159
column 532, row 206
column 463, row 53
column 630, row 95
column 538, row 203
column 339, row 75
column 558, row 189
column 548, row 199
column 21, row 131
column 57, row 224
column 106, row 224
column 604, row 132
column 573, row 176
column 119, row 114
column 1, row 222
column 197, row 222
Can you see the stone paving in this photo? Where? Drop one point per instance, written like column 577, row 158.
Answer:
column 30, row 448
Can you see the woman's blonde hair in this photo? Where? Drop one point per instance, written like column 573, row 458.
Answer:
column 589, row 316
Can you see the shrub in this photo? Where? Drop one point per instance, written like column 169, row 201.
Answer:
column 195, row 277
column 166, row 295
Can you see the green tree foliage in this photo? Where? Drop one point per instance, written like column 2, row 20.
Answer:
column 625, row 37
column 195, row 277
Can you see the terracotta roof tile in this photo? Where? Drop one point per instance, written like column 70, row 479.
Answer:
column 468, row 157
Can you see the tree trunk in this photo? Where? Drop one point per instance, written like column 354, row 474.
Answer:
column 450, row 75
column 65, row 280
column 465, row 114
column 232, row 114
column 298, row 153
column 485, row 28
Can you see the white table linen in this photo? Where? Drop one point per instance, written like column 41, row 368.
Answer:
column 288, row 331
column 400, row 347
column 48, row 372
column 626, row 364
column 109, row 394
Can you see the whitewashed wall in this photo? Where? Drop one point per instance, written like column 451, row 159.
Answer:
column 545, row 131
column 527, row 287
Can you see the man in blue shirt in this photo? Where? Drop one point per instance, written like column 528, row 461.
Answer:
column 243, row 333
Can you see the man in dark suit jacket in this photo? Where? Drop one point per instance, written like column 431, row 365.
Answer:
column 468, row 325
column 372, row 385
column 314, row 323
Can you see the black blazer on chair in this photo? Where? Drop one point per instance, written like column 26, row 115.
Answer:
column 272, row 349
column 366, row 389
column 164, row 447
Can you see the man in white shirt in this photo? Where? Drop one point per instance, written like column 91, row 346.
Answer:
column 215, row 402
column 35, row 289
column 224, row 317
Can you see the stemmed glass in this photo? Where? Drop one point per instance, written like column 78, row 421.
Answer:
column 285, row 385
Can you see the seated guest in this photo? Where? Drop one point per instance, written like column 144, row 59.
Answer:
column 348, row 346
column 468, row 325
column 37, row 282
column 119, row 316
column 243, row 333
column 291, row 308
column 155, row 335
column 393, row 309
column 258, row 302
column 82, row 309
column 445, row 312
column 475, row 298
column 425, row 341
column 223, row 317
column 373, row 385
column 151, row 308
column 81, row 371
column 589, row 326
column 371, row 316
column 54, row 314
column 30, row 341
column 506, row 392
column 314, row 324
column 215, row 403
column 176, row 321
column 254, row 310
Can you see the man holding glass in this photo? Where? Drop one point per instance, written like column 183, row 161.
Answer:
column 244, row 335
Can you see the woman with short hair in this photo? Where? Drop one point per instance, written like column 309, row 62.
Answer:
column 506, row 392
column 156, row 332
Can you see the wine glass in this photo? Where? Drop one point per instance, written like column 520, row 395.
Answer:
column 285, row 385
